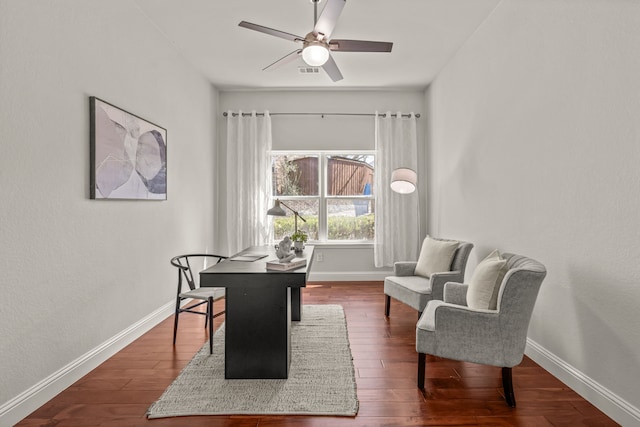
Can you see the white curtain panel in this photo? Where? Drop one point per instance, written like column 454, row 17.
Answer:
column 396, row 216
column 248, row 179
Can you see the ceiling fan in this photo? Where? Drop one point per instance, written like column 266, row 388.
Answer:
column 316, row 45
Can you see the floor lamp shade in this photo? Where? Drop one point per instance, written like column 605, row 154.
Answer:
column 403, row 180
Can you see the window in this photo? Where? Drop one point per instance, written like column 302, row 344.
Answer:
column 332, row 191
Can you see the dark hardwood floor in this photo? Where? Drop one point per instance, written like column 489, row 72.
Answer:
column 119, row 391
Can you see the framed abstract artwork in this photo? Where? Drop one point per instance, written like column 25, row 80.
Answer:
column 128, row 155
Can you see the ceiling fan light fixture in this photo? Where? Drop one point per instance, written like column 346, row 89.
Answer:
column 315, row 53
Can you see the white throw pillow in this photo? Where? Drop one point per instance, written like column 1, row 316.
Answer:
column 485, row 282
column 435, row 256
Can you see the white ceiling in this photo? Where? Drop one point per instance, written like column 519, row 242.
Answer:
column 425, row 35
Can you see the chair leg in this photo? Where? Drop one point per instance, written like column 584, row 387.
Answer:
column 387, row 304
column 210, row 318
column 175, row 321
column 206, row 318
column 507, row 385
column 422, row 360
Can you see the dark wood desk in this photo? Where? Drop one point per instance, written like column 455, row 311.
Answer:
column 260, row 305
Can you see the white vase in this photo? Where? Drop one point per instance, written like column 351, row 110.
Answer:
column 298, row 246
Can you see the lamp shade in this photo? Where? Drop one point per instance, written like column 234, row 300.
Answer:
column 276, row 210
column 315, row 53
column 403, row 180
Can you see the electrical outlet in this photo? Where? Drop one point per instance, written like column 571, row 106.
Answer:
column 319, row 257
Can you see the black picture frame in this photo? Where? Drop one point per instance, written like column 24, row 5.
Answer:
column 128, row 155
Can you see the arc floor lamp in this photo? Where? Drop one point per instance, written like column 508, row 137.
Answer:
column 403, row 180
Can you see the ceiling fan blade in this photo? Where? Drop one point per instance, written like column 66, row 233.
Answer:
column 270, row 31
column 329, row 17
column 284, row 60
column 331, row 68
column 359, row 46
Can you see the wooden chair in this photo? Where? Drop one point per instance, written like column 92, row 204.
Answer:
column 195, row 293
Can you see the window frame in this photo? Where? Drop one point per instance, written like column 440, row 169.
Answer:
column 323, row 197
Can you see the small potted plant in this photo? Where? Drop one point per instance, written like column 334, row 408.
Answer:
column 298, row 238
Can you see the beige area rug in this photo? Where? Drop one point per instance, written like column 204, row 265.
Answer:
column 321, row 376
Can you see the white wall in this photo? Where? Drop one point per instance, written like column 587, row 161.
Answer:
column 77, row 272
column 534, row 149
column 341, row 262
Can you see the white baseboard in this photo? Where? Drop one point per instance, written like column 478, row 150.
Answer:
column 348, row 276
column 31, row 399
column 604, row 399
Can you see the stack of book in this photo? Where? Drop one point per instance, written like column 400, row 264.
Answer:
column 288, row 265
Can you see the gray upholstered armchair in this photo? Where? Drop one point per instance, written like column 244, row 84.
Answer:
column 410, row 287
column 452, row 330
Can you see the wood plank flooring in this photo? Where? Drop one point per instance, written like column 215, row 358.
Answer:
column 119, row 391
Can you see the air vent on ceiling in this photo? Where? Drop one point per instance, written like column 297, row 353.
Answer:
column 308, row 70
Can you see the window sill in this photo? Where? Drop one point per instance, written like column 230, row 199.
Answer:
column 342, row 245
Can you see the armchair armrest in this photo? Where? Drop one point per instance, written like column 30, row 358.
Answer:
column 438, row 281
column 404, row 268
column 453, row 317
column 456, row 328
column 455, row 293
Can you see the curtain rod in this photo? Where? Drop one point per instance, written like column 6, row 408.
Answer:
column 225, row 114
